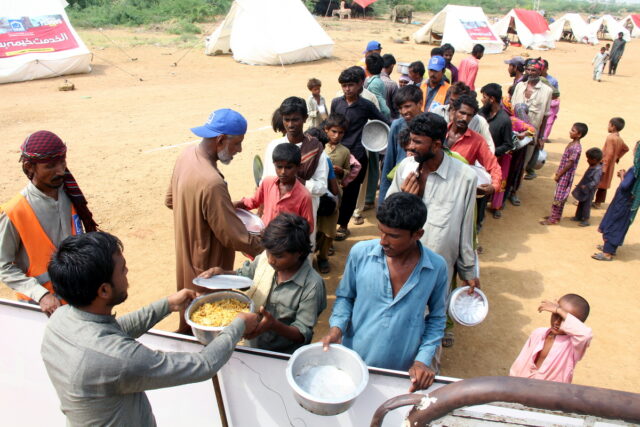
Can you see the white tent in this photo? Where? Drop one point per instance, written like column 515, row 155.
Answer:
column 462, row 27
column 530, row 27
column 37, row 41
column 573, row 23
column 632, row 21
column 270, row 32
column 607, row 28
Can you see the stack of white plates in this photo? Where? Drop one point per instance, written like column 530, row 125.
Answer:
column 468, row 310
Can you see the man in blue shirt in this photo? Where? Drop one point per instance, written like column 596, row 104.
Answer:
column 390, row 305
column 408, row 102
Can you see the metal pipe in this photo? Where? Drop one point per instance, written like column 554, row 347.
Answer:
column 599, row 402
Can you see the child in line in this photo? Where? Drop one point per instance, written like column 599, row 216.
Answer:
column 598, row 63
column 622, row 211
column 316, row 105
column 283, row 192
column 290, row 294
column 613, row 150
column 552, row 353
column 566, row 172
column 587, row 186
column 334, row 127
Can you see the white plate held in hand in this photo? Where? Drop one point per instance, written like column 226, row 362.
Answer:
column 224, row 281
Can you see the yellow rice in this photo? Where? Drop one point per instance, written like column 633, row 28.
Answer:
column 219, row 313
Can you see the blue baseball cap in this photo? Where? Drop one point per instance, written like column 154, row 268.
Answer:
column 437, row 63
column 372, row 45
column 222, row 122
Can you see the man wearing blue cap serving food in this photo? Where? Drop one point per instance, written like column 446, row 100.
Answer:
column 390, row 305
column 207, row 230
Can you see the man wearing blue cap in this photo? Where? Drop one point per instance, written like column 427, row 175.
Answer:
column 372, row 47
column 207, row 230
column 435, row 89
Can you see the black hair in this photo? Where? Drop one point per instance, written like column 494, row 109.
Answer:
column 403, row 138
column 448, row 46
column 350, row 75
column 289, row 153
column 618, row 123
column 359, row 72
column 336, row 120
column 404, row 211
column 594, row 153
column 417, row 67
column 292, row 105
column 318, row 133
column 276, row 122
column 437, row 51
column 313, row 82
column 579, row 303
column 82, row 264
column 520, row 67
column 287, row 233
column 374, row 63
column 478, row 48
column 493, row 90
column 429, row 124
column 581, row 128
column 459, row 88
column 408, row 93
column 388, row 60
column 468, row 100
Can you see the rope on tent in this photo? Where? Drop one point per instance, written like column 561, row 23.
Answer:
column 116, row 45
column 48, row 68
column 118, row 67
column 175, row 64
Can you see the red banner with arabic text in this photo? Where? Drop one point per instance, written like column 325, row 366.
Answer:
column 46, row 38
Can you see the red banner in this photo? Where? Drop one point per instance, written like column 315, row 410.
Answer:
column 478, row 30
column 45, row 38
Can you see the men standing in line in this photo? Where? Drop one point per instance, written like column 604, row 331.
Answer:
column 416, row 73
column 390, row 86
column 34, row 223
column 468, row 70
column 448, row 189
column 447, row 53
column 616, row 53
column 516, row 68
column 207, row 230
column 390, row 305
column 434, row 90
column 537, row 96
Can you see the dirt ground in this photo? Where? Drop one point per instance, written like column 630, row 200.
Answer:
column 124, row 118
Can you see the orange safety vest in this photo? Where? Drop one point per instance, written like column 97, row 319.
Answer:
column 439, row 99
column 36, row 243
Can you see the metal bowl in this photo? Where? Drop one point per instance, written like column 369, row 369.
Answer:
column 375, row 135
column 206, row 334
column 339, row 356
column 468, row 310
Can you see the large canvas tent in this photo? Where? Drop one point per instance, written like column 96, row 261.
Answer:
column 632, row 23
column 270, row 32
column 530, row 27
column 462, row 27
column 37, row 41
column 607, row 28
column 572, row 27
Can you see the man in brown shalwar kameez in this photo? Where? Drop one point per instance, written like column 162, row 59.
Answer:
column 207, row 230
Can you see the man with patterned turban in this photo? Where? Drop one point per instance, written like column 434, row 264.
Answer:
column 34, row 222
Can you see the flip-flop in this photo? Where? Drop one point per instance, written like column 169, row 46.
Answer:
column 341, row 234
column 448, row 339
column 601, row 249
column 600, row 256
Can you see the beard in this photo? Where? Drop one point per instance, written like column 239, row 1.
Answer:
column 421, row 158
column 485, row 110
column 224, row 157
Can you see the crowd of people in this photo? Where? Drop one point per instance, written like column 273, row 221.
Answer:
column 449, row 158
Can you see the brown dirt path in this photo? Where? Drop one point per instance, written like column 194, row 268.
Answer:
column 113, row 119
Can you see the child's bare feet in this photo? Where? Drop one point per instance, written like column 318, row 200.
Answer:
column 548, row 222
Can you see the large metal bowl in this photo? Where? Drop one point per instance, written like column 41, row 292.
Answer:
column 339, row 356
column 206, row 334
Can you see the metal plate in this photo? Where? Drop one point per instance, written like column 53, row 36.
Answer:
column 468, row 310
column 253, row 222
column 257, row 169
column 224, row 281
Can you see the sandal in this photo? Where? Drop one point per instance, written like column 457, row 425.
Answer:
column 448, row 339
column 358, row 220
column 515, row 201
column 548, row 222
column 497, row 214
column 341, row 234
column 331, row 251
column 600, row 256
column 323, row 266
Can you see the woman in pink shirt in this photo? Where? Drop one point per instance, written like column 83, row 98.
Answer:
column 552, row 353
column 468, row 69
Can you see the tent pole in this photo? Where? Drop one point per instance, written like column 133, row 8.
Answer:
column 327, row 12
